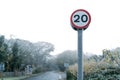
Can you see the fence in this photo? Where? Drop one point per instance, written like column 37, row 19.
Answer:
column 11, row 74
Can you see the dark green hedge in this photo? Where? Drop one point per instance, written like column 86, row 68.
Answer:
column 70, row 76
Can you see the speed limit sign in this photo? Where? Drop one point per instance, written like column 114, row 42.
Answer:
column 80, row 19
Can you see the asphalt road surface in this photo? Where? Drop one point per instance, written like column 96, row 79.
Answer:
column 51, row 75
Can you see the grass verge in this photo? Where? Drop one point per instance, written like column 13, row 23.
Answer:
column 14, row 78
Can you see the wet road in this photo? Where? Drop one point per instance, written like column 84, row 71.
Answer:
column 51, row 75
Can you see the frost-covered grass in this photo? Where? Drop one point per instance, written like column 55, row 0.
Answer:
column 103, row 67
column 96, row 71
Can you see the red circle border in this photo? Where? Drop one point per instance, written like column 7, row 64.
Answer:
column 80, row 27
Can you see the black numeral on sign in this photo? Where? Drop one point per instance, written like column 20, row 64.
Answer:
column 83, row 18
column 77, row 18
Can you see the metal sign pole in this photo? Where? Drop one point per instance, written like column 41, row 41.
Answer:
column 80, row 56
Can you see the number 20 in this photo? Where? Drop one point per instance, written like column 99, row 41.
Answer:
column 83, row 18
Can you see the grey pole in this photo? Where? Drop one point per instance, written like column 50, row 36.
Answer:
column 80, row 56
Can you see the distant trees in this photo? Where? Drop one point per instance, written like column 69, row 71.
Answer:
column 3, row 49
column 15, row 61
column 68, row 56
column 41, row 52
column 17, row 53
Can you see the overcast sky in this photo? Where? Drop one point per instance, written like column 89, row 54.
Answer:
column 49, row 20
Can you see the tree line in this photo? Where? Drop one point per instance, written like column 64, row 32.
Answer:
column 17, row 53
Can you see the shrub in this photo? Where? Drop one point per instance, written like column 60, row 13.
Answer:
column 70, row 76
column 95, row 71
column 39, row 70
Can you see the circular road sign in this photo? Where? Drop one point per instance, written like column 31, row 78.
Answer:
column 80, row 19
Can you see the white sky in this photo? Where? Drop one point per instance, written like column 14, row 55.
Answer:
column 49, row 20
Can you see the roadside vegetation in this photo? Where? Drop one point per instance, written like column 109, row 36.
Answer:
column 14, row 78
column 18, row 54
column 99, row 67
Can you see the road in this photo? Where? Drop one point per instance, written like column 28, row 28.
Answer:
column 51, row 75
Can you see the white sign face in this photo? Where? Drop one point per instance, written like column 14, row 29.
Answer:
column 80, row 19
